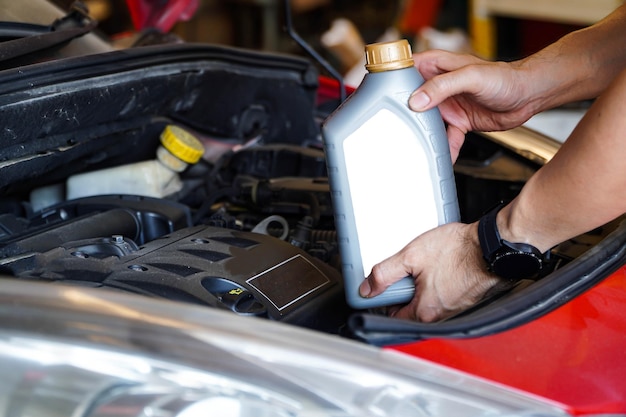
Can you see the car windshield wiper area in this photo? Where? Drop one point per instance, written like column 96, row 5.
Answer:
column 24, row 43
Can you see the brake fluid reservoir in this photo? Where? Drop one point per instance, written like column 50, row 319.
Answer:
column 153, row 178
column 389, row 169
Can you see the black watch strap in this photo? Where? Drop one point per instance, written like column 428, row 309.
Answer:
column 509, row 260
column 488, row 234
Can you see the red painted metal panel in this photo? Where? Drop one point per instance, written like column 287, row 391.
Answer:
column 576, row 355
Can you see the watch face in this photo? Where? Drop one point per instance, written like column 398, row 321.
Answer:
column 516, row 265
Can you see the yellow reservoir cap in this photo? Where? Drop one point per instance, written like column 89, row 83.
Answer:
column 182, row 144
column 386, row 56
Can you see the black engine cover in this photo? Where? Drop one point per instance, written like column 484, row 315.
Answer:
column 248, row 273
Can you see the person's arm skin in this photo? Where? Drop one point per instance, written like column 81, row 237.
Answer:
column 473, row 94
column 582, row 187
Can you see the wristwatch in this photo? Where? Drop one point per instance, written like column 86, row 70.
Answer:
column 509, row 260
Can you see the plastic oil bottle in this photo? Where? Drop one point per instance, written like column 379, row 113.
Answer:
column 153, row 178
column 389, row 169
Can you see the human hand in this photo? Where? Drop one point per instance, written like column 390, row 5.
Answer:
column 472, row 94
column 447, row 266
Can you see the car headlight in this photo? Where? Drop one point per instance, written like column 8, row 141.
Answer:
column 68, row 351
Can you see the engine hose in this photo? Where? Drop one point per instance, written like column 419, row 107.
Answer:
column 211, row 199
column 307, row 198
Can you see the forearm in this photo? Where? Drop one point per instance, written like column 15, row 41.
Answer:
column 583, row 186
column 579, row 66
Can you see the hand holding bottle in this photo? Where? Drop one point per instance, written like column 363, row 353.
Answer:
column 472, row 94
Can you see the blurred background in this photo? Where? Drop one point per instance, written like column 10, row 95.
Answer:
column 338, row 29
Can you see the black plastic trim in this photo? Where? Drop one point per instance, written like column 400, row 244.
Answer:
column 72, row 114
column 81, row 67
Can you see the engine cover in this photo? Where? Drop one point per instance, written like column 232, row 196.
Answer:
column 247, row 273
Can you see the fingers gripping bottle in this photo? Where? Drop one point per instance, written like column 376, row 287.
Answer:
column 389, row 169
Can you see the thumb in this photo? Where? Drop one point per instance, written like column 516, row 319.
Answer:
column 443, row 86
column 382, row 276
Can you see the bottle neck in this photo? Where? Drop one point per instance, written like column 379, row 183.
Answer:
column 168, row 160
column 399, row 79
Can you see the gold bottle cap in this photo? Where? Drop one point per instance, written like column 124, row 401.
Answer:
column 182, row 144
column 386, row 56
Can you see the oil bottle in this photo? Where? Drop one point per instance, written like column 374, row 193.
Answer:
column 389, row 169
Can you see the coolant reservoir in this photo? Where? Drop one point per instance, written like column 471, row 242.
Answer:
column 154, row 178
column 389, row 169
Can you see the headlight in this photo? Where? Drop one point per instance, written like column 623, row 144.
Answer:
column 67, row 351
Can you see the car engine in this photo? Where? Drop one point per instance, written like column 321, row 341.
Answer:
column 251, row 231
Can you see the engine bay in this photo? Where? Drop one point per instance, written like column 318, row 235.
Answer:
column 251, row 230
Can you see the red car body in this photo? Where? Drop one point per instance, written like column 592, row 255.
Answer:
column 573, row 356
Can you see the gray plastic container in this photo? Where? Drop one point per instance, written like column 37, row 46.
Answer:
column 389, row 169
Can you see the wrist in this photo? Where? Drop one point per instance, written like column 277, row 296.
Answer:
column 516, row 225
column 542, row 87
column 561, row 73
column 509, row 258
